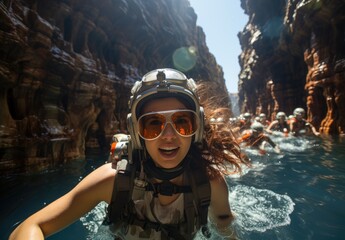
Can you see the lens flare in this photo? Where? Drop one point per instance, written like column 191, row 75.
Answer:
column 184, row 58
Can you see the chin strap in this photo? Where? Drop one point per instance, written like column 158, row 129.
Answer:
column 165, row 174
column 165, row 187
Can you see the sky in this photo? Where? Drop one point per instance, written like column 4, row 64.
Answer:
column 221, row 21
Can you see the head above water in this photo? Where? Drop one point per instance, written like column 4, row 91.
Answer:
column 247, row 115
column 257, row 127
column 262, row 116
column 160, row 84
column 299, row 112
column 280, row 115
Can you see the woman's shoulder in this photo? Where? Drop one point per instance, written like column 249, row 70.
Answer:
column 100, row 182
column 105, row 171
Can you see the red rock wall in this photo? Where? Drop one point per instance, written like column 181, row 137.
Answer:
column 66, row 68
column 294, row 56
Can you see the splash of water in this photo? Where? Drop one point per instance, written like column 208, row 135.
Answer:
column 259, row 209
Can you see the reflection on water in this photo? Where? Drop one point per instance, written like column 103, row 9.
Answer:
column 299, row 194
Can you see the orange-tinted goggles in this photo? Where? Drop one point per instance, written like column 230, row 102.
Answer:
column 151, row 125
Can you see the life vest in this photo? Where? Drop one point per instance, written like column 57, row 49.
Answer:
column 252, row 141
column 121, row 212
column 245, row 136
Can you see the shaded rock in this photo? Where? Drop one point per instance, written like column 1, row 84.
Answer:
column 66, row 69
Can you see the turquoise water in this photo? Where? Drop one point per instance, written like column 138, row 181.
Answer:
column 297, row 195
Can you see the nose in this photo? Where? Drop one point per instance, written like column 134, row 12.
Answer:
column 169, row 131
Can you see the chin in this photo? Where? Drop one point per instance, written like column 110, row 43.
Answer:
column 168, row 164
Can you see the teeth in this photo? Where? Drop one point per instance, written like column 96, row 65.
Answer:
column 168, row 148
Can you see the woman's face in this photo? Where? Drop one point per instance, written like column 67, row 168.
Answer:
column 169, row 149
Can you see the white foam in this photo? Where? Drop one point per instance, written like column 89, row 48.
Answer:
column 259, row 209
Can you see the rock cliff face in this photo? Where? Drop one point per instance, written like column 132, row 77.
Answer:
column 294, row 56
column 66, row 69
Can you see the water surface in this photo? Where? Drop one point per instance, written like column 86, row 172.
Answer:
column 297, row 195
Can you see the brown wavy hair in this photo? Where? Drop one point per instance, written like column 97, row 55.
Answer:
column 220, row 150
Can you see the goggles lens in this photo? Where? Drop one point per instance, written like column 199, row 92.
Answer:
column 151, row 125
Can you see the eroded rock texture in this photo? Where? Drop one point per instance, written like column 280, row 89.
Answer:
column 66, row 68
column 294, row 56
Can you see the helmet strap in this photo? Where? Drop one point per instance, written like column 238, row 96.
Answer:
column 165, row 174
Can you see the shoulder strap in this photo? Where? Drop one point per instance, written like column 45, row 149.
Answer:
column 196, row 203
column 167, row 188
column 121, row 192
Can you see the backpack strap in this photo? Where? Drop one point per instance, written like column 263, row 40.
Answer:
column 167, row 188
column 122, row 192
column 197, row 202
column 189, row 211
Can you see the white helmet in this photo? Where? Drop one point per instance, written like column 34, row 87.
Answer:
column 247, row 115
column 280, row 115
column 262, row 115
column 163, row 83
column 257, row 127
column 298, row 111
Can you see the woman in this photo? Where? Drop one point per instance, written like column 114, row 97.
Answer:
column 173, row 180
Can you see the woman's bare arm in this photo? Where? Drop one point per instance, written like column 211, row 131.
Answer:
column 94, row 188
column 220, row 212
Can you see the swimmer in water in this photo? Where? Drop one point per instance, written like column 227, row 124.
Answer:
column 300, row 126
column 279, row 125
column 256, row 138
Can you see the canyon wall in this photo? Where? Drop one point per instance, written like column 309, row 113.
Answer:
column 293, row 55
column 67, row 66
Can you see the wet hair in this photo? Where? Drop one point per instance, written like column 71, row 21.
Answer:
column 220, row 150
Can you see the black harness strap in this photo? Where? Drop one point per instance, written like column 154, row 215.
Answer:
column 189, row 211
column 167, row 188
column 202, row 194
column 122, row 192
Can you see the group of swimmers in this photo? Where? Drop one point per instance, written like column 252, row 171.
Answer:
column 254, row 131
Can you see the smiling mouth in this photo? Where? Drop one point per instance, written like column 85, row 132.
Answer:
column 168, row 150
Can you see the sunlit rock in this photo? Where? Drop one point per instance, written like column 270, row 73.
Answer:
column 293, row 56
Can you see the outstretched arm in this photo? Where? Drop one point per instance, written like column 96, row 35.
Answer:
column 272, row 125
column 292, row 127
column 313, row 129
column 94, row 188
column 220, row 212
column 273, row 144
